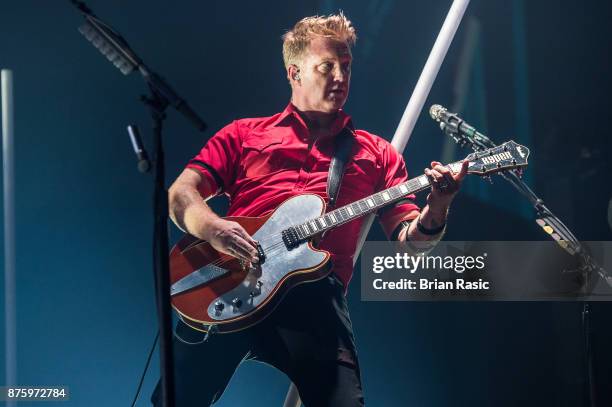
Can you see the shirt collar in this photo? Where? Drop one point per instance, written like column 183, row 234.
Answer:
column 342, row 119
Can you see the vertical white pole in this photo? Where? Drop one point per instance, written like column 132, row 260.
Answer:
column 293, row 397
column 9, row 229
column 420, row 93
column 409, row 118
column 428, row 75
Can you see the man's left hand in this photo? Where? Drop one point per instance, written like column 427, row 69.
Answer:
column 444, row 185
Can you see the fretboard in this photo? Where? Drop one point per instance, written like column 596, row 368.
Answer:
column 364, row 206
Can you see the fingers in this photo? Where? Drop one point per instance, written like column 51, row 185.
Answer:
column 232, row 239
column 444, row 169
column 243, row 250
column 245, row 235
column 243, row 245
column 442, row 179
column 441, row 169
column 248, row 245
column 463, row 171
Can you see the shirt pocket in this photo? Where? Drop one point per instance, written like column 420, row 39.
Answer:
column 361, row 176
column 261, row 155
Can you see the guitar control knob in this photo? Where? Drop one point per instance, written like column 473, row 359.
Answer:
column 259, row 283
column 219, row 306
column 237, row 302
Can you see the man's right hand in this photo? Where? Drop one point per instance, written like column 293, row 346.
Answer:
column 229, row 237
column 189, row 212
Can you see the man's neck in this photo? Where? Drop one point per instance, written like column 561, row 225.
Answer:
column 315, row 120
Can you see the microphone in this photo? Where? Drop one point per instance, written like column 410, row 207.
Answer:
column 454, row 126
column 143, row 158
column 116, row 49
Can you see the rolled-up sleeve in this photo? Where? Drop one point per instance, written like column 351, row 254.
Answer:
column 394, row 174
column 219, row 158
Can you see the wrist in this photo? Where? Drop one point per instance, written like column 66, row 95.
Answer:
column 209, row 226
column 431, row 230
column 437, row 212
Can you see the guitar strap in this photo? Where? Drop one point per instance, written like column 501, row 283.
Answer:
column 342, row 147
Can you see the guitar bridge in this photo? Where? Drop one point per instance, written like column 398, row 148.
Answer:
column 290, row 238
column 261, row 254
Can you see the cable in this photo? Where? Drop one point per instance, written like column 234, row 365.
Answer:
column 145, row 369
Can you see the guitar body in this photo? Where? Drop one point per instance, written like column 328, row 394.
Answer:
column 231, row 296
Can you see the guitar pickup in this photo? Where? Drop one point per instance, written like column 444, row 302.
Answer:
column 290, row 238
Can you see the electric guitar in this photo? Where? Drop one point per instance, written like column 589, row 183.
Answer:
column 215, row 292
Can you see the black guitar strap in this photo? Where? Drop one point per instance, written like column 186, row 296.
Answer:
column 342, row 148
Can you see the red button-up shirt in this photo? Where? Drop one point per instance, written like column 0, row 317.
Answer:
column 259, row 163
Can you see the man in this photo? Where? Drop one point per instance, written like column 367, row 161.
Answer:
column 259, row 163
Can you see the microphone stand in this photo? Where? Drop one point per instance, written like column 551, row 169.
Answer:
column 161, row 95
column 557, row 230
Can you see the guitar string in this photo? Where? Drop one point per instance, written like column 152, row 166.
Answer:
column 274, row 247
column 360, row 214
column 413, row 190
column 270, row 250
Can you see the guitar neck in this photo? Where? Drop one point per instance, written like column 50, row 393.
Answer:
column 365, row 206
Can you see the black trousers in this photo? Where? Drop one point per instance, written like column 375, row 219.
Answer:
column 309, row 337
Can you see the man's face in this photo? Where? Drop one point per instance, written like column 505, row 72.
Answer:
column 325, row 76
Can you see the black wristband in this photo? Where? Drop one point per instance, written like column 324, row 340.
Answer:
column 427, row 231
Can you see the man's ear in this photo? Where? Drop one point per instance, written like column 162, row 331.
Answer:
column 293, row 73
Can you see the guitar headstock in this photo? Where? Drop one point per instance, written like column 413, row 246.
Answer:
column 507, row 156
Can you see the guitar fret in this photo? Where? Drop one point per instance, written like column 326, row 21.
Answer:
column 395, row 192
column 357, row 208
column 326, row 220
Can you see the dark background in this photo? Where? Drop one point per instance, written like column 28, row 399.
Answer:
column 536, row 72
